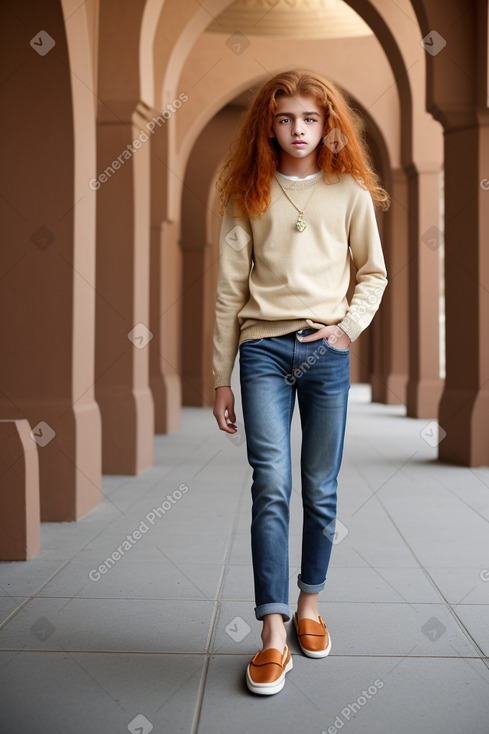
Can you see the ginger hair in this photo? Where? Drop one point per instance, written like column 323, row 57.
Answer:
column 246, row 177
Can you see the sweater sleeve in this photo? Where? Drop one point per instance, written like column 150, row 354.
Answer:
column 371, row 280
column 235, row 262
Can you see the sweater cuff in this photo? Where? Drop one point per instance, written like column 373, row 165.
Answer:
column 221, row 379
column 351, row 328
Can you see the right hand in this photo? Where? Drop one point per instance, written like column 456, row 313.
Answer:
column 224, row 409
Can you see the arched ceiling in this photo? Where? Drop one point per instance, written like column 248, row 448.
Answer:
column 290, row 18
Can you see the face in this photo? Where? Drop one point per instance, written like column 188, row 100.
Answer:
column 298, row 126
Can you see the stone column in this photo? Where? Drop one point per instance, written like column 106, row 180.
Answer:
column 123, row 335
column 425, row 238
column 166, row 326
column 464, row 408
column 48, row 253
column 20, row 519
column 391, row 341
column 201, row 224
column 165, row 284
column 457, row 85
column 193, row 315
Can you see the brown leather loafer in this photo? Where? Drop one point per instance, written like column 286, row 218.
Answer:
column 265, row 673
column 313, row 637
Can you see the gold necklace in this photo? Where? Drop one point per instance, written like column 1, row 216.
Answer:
column 300, row 224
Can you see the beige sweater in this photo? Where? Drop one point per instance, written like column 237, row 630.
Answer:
column 273, row 277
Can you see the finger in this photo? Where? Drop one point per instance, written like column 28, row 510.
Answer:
column 231, row 417
column 223, row 424
column 230, row 427
column 309, row 338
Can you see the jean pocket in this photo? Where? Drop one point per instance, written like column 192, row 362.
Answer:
column 335, row 349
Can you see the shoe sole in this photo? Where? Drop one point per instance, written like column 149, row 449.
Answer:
column 312, row 653
column 268, row 689
column 315, row 653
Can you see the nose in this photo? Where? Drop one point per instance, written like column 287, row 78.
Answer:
column 297, row 129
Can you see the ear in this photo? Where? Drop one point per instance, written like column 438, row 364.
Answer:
column 271, row 134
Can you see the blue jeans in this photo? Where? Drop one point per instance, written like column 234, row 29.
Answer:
column 272, row 371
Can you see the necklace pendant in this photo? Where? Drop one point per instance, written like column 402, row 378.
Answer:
column 300, row 224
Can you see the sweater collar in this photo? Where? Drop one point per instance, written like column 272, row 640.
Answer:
column 303, row 183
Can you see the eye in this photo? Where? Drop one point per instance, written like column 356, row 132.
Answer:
column 284, row 119
column 310, row 119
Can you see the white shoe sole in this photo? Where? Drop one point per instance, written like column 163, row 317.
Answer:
column 268, row 689
column 314, row 653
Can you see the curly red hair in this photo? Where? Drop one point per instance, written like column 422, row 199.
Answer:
column 246, row 177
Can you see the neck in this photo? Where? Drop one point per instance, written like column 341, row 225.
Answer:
column 300, row 167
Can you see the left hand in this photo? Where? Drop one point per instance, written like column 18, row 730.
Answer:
column 333, row 334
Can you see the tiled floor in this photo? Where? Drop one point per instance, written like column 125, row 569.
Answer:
column 159, row 639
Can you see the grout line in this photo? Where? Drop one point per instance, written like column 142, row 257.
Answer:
column 249, row 600
column 460, row 499
column 206, row 654
column 31, row 597
column 215, row 616
column 469, row 637
column 200, row 695
column 445, row 602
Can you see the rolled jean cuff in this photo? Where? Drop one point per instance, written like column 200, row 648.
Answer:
column 310, row 588
column 273, row 608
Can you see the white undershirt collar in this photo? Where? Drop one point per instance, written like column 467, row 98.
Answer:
column 298, row 178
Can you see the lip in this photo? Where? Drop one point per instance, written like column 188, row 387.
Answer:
column 299, row 143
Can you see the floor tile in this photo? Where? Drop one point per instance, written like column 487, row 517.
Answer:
column 429, row 630
column 373, row 695
column 462, row 585
column 25, row 578
column 97, row 692
column 475, row 618
column 9, row 605
column 128, row 578
column 128, row 625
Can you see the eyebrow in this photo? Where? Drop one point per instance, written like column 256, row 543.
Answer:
column 291, row 114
